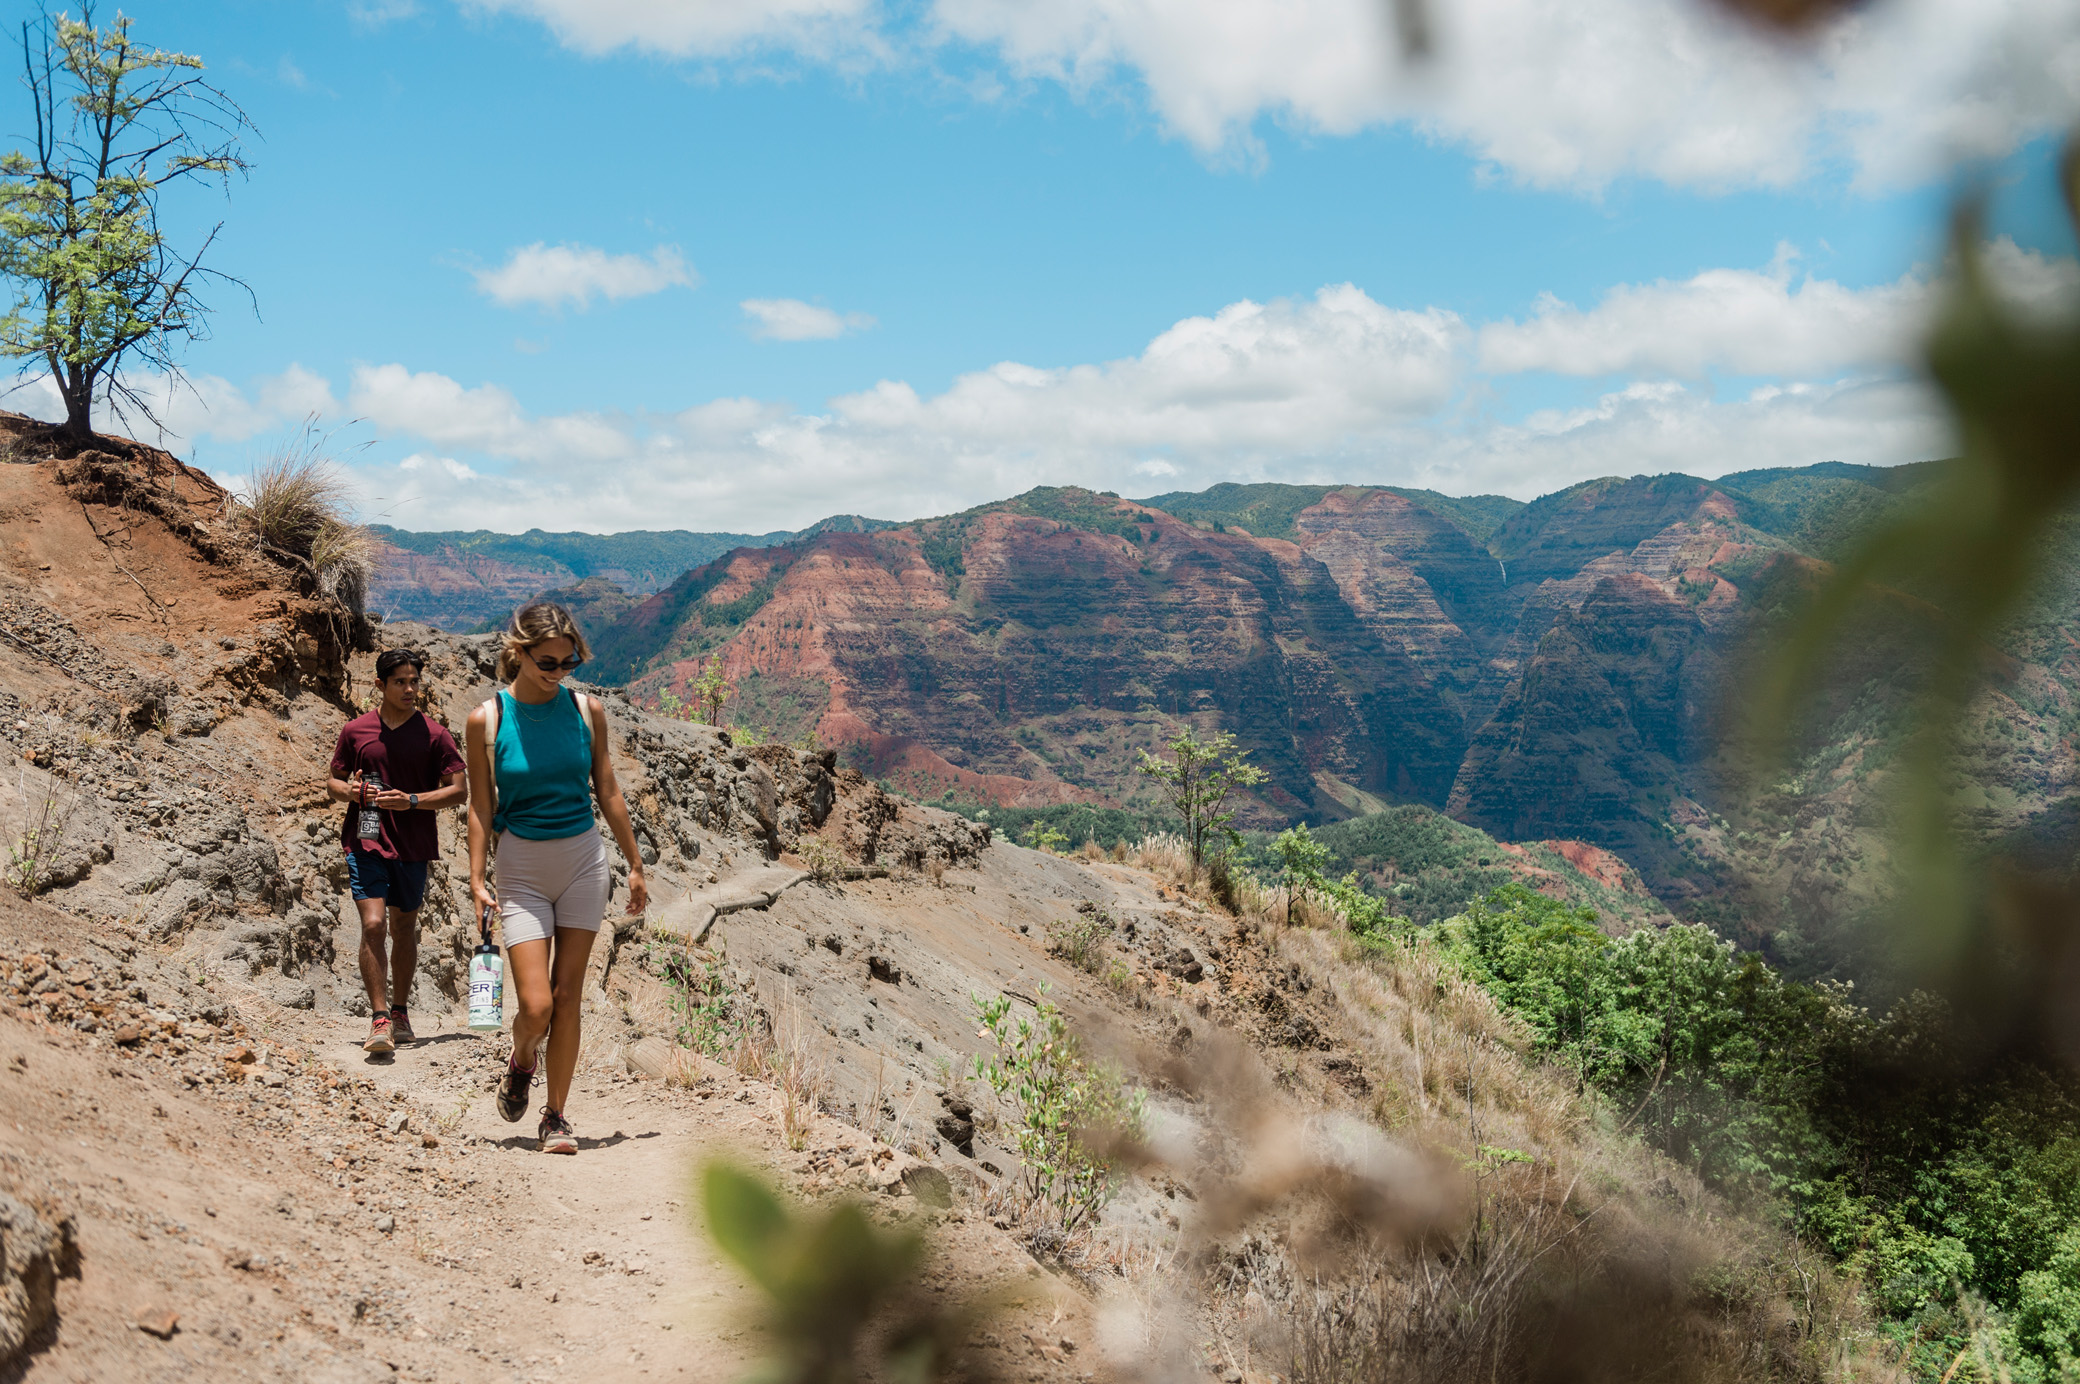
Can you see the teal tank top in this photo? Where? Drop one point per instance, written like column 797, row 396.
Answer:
column 542, row 766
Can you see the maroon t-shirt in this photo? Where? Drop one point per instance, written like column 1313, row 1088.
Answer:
column 413, row 758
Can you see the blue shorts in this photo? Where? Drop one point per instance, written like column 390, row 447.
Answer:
column 402, row 882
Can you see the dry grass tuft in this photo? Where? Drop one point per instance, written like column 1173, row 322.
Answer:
column 789, row 1059
column 297, row 505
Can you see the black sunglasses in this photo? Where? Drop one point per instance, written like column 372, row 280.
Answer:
column 550, row 665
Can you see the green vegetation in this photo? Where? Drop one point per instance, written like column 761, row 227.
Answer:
column 1042, row 837
column 1943, row 1173
column 1079, row 509
column 33, row 856
column 944, row 543
column 644, row 560
column 1079, row 939
column 1478, row 515
column 623, row 651
column 1431, row 866
column 1301, row 860
column 710, row 690
column 1199, row 777
column 709, row 1015
column 1823, row 509
column 101, row 295
column 1266, row 510
column 1068, row 1112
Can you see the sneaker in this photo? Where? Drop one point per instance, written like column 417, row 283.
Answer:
column 556, row 1135
column 401, row 1026
column 512, row 1092
column 379, row 1038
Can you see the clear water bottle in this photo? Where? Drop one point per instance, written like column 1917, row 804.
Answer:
column 487, row 977
column 369, row 826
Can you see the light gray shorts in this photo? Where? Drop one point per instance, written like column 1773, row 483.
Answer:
column 545, row 885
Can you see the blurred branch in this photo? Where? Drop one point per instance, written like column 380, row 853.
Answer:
column 1976, row 545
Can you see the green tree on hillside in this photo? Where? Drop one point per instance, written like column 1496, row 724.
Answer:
column 1200, row 775
column 1302, row 858
column 98, row 286
column 711, row 689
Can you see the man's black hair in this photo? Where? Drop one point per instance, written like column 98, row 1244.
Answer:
column 390, row 660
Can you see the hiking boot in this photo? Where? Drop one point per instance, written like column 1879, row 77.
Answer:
column 401, row 1026
column 512, row 1092
column 379, row 1036
column 556, row 1134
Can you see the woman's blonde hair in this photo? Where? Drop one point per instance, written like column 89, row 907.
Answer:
column 538, row 622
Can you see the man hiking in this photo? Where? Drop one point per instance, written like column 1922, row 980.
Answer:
column 405, row 768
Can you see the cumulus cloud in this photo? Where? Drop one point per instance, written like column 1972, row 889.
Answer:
column 555, row 276
column 1565, row 93
column 791, row 319
column 484, row 418
column 1332, row 387
column 1755, row 322
column 1746, row 321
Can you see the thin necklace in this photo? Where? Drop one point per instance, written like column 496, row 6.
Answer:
column 521, row 707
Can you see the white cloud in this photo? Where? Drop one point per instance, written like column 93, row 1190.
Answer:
column 296, row 393
column 1755, row 322
column 1577, row 92
column 552, row 276
column 486, row 418
column 1334, row 387
column 1745, row 321
column 698, row 28
column 1565, row 93
column 791, row 319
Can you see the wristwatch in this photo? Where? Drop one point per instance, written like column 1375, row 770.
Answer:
column 414, row 800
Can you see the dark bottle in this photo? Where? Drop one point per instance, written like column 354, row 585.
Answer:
column 369, row 827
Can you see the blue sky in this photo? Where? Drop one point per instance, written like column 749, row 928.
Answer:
column 707, row 264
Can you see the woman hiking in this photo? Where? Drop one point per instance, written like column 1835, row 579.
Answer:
column 537, row 757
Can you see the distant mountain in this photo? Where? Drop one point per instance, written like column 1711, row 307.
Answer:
column 460, row 580
column 1561, row 670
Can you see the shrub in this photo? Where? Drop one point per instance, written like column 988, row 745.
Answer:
column 33, row 857
column 1080, row 938
column 709, row 1014
column 1042, row 837
column 1068, row 1112
column 822, row 859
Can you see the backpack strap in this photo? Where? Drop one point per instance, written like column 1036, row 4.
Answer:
column 491, row 755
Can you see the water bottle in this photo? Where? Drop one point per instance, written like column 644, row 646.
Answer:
column 487, row 982
column 370, row 825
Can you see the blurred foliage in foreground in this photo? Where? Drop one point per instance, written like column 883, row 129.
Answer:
column 1994, row 935
column 840, row 1292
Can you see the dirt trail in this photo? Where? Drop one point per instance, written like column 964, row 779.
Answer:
column 342, row 1217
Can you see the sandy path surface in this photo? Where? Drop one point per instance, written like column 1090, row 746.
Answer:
column 292, row 1240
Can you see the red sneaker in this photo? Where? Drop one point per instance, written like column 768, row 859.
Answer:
column 379, row 1038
